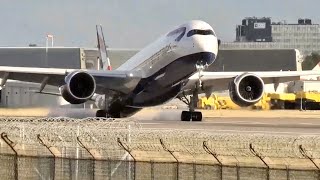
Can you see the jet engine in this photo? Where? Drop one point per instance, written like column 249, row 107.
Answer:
column 80, row 87
column 246, row 89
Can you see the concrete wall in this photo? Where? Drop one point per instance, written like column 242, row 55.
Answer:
column 21, row 94
column 56, row 57
column 256, row 60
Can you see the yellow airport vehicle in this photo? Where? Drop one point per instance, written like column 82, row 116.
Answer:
column 308, row 100
column 263, row 104
column 299, row 100
column 225, row 102
column 282, row 100
column 311, row 96
column 207, row 103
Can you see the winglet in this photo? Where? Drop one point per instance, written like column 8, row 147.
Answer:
column 104, row 58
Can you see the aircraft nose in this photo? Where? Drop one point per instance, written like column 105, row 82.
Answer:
column 208, row 47
column 206, row 58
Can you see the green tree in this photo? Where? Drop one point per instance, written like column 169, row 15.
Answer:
column 310, row 61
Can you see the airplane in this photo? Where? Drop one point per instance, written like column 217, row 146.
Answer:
column 171, row 67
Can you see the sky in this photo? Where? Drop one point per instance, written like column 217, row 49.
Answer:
column 134, row 24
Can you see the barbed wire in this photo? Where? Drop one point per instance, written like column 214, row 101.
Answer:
column 102, row 136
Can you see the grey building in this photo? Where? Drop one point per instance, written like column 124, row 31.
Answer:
column 303, row 35
column 22, row 94
column 53, row 57
column 254, row 30
column 257, row 60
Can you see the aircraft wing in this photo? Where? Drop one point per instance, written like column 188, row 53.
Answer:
column 219, row 80
column 120, row 81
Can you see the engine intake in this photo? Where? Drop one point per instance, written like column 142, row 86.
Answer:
column 79, row 88
column 246, row 89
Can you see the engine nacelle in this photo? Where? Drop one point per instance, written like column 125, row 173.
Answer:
column 79, row 88
column 246, row 89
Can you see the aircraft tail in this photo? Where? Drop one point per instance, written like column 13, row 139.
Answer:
column 104, row 60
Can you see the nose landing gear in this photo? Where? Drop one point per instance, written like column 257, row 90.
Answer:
column 193, row 115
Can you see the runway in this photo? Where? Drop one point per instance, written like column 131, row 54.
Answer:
column 264, row 122
column 284, row 122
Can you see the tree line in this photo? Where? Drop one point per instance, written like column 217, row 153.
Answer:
column 310, row 61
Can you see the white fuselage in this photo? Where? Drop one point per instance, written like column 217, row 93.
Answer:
column 166, row 49
column 166, row 65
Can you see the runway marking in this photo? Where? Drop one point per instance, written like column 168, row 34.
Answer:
column 266, row 132
column 239, row 131
column 151, row 123
column 241, row 123
column 308, row 124
column 235, row 122
column 262, row 123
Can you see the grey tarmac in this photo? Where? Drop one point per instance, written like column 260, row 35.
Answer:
column 235, row 121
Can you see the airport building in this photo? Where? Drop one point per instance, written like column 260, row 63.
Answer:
column 254, row 30
column 261, row 33
column 23, row 94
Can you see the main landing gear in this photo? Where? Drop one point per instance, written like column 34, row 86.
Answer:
column 110, row 108
column 190, row 115
column 101, row 113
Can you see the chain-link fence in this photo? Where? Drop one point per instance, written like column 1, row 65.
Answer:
column 65, row 148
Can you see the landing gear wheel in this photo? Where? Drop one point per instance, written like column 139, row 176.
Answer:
column 196, row 116
column 185, row 116
column 101, row 113
column 191, row 116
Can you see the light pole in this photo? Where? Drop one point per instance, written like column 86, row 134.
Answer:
column 49, row 36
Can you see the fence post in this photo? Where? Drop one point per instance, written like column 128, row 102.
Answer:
column 11, row 144
column 93, row 158
column 152, row 170
column 288, row 172
column 129, row 152
column 254, row 152
column 171, row 152
column 238, row 171
column 109, row 169
column 194, row 171
column 54, row 157
column 209, row 151
column 304, row 154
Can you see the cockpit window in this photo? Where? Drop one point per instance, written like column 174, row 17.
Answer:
column 178, row 32
column 200, row 32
